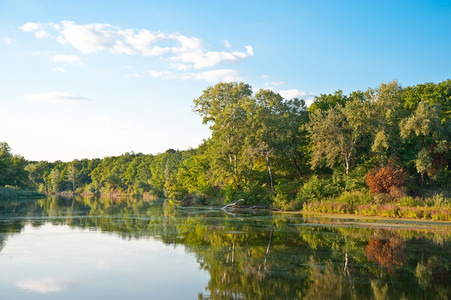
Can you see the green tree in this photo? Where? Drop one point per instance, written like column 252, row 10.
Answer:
column 5, row 164
column 274, row 124
column 424, row 126
column 333, row 139
column 72, row 176
column 223, row 107
column 327, row 101
column 55, row 179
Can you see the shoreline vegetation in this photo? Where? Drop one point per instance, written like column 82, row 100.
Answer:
column 381, row 152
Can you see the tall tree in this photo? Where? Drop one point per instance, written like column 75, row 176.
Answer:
column 274, row 125
column 333, row 139
column 222, row 107
column 72, row 176
column 425, row 127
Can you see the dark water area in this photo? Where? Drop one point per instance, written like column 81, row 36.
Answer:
column 105, row 248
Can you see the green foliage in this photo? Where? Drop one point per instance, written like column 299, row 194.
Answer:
column 251, row 195
column 263, row 146
column 333, row 139
column 12, row 168
column 410, row 201
column 354, row 198
column 439, row 201
column 285, row 195
column 8, row 192
column 328, row 101
column 317, row 189
column 355, row 180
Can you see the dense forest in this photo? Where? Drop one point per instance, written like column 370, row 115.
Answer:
column 390, row 144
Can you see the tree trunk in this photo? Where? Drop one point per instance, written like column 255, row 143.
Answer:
column 347, row 165
column 270, row 173
column 298, row 168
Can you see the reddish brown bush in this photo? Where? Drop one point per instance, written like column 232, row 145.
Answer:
column 387, row 253
column 383, row 180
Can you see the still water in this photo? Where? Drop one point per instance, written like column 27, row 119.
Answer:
column 103, row 248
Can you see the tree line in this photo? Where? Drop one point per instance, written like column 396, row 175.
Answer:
column 385, row 143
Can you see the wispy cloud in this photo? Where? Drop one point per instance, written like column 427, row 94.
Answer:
column 39, row 30
column 44, row 286
column 295, row 93
column 226, row 75
column 185, row 52
column 56, row 97
column 200, row 59
column 71, row 59
column 8, row 41
column 60, row 70
column 227, row 44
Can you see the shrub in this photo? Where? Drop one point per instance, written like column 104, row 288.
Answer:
column 366, row 210
column 252, row 194
column 381, row 198
column 438, row 201
column 397, row 192
column 327, row 207
column 385, row 179
column 409, row 201
column 317, row 189
column 355, row 180
column 285, row 196
column 354, row 198
column 411, row 212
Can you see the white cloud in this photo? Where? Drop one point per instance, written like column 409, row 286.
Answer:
column 294, row 93
column 181, row 67
column 30, row 27
column 226, row 75
column 201, row 59
column 40, row 33
column 44, row 286
column 36, row 53
column 163, row 74
column 56, row 97
column 249, row 50
column 60, row 70
column 185, row 52
column 8, row 41
column 227, row 44
column 36, row 28
column 72, row 59
column 87, row 38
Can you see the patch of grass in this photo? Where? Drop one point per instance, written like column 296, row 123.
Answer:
column 15, row 193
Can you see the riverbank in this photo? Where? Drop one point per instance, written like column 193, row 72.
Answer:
column 393, row 221
column 10, row 192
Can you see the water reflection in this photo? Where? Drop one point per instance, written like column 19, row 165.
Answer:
column 257, row 255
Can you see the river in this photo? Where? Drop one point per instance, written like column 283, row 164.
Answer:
column 107, row 248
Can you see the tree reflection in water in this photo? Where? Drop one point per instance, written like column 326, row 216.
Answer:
column 260, row 255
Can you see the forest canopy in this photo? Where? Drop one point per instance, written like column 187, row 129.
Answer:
column 386, row 143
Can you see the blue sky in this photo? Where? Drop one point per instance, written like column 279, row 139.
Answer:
column 85, row 79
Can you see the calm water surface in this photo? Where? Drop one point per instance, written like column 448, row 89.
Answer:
column 87, row 248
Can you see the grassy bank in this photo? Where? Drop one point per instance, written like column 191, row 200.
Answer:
column 437, row 208
column 14, row 193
